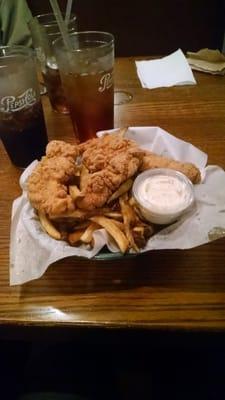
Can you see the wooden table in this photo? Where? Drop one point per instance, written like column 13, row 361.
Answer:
column 163, row 290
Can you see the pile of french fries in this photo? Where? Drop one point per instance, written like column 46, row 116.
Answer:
column 120, row 217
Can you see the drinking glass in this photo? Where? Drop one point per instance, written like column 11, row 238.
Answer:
column 22, row 125
column 43, row 33
column 86, row 71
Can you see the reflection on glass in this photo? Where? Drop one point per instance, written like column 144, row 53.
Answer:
column 43, row 89
column 122, row 97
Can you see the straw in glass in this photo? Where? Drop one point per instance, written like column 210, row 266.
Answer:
column 61, row 23
column 68, row 11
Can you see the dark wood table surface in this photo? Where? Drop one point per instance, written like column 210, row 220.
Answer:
column 159, row 290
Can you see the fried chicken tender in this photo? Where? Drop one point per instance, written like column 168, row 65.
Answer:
column 110, row 160
column 151, row 160
column 101, row 184
column 97, row 153
column 57, row 148
column 47, row 185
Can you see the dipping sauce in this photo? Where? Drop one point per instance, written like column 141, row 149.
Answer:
column 163, row 195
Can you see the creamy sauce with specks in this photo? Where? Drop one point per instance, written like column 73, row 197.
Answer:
column 164, row 194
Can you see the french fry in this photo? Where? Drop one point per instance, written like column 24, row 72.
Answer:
column 142, row 233
column 138, row 235
column 149, row 230
column 81, row 215
column 122, row 189
column 81, row 225
column 113, row 230
column 132, row 201
column 125, row 197
column 88, row 233
column 48, row 226
column 139, row 229
column 76, row 215
column 75, row 192
column 120, row 225
column 74, row 237
column 138, row 213
column 77, row 173
column 84, row 174
column 127, row 210
column 114, row 214
column 128, row 219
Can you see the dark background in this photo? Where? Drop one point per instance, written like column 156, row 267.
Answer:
column 112, row 364
column 150, row 27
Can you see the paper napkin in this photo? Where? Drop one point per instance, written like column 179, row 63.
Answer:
column 165, row 72
column 207, row 60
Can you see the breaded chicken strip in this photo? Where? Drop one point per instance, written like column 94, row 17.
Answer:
column 57, row 148
column 96, row 153
column 101, row 184
column 111, row 160
column 151, row 160
column 47, row 190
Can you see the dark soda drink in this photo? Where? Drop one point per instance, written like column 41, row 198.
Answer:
column 22, row 125
column 55, row 90
column 90, row 98
column 23, row 134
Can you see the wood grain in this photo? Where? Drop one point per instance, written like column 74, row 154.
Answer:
column 173, row 290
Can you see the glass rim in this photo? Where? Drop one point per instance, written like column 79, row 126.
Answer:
column 17, row 48
column 83, row 33
column 54, row 22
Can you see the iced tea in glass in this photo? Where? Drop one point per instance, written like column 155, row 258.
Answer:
column 87, row 76
column 22, row 125
column 43, row 34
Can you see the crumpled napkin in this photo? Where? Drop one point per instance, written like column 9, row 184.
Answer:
column 207, row 60
column 168, row 71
